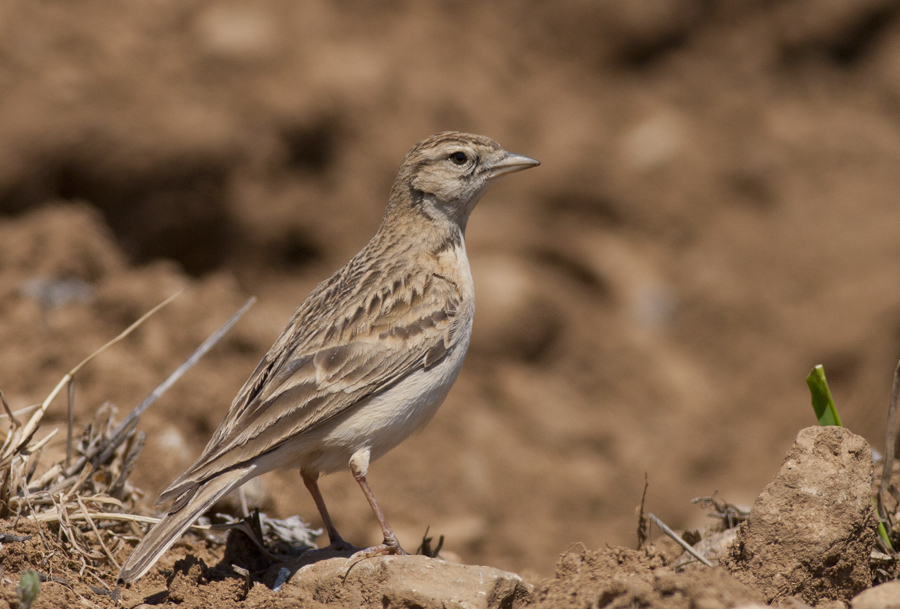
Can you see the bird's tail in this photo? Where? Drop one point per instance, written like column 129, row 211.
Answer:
column 173, row 524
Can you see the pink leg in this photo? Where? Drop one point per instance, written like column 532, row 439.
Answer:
column 335, row 540
column 390, row 544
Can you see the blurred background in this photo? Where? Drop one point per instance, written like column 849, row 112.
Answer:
column 716, row 212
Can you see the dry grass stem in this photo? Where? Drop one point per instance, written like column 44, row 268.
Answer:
column 86, row 496
column 677, row 539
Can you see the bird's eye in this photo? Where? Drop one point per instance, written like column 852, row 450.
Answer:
column 459, row 158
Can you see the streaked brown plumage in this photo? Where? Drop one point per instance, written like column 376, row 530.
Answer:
column 366, row 359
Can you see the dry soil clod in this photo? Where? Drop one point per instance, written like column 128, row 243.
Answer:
column 812, row 530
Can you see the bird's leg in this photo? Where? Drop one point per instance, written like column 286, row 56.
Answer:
column 336, row 542
column 359, row 465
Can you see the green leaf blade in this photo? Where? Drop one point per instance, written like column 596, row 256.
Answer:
column 822, row 402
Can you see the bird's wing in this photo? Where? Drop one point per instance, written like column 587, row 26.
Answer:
column 314, row 373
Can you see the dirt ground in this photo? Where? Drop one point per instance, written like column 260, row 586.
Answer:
column 716, row 212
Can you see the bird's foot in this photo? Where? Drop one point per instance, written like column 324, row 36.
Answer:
column 389, row 547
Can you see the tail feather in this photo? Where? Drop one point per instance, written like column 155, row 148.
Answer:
column 167, row 531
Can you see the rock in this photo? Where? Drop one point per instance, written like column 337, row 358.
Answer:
column 812, row 529
column 884, row 596
column 406, row 581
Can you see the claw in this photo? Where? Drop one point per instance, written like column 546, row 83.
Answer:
column 390, row 547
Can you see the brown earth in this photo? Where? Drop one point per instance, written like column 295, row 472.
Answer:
column 715, row 213
column 810, row 538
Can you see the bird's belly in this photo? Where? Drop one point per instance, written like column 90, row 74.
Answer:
column 385, row 420
column 377, row 424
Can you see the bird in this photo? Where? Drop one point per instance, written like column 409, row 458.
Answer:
column 365, row 360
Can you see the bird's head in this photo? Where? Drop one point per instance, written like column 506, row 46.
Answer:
column 445, row 174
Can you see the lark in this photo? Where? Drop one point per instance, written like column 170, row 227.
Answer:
column 365, row 360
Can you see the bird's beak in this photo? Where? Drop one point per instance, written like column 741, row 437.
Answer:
column 510, row 163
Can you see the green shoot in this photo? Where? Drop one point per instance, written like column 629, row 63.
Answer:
column 822, row 401
column 882, row 530
column 28, row 589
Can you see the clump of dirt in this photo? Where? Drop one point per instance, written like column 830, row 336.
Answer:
column 618, row 577
column 811, row 532
column 189, row 586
